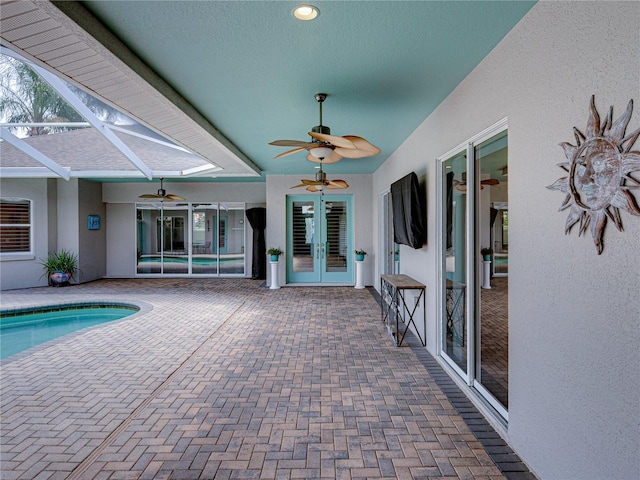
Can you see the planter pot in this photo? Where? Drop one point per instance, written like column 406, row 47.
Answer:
column 487, row 258
column 274, row 258
column 359, row 257
column 59, row 279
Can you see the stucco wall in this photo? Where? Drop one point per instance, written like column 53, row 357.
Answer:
column 91, row 243
column 573, row 315
column 21, row 270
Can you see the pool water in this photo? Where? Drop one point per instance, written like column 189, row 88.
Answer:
column 22, row 330
column 202, row 261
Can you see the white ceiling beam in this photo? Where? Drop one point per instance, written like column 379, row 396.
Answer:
column 34, row 153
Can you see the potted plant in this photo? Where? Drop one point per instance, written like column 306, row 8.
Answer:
column 486, row 253
column 275, row 253
column 60, row 267
column 360, row 255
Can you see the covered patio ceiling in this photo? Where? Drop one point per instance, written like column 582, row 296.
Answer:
column 223, row 79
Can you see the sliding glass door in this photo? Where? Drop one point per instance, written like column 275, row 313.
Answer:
column 190, row 239
column 474, row 303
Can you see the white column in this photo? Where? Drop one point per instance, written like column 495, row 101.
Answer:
column 359, row 274
column 274, row 275
column 486, row 277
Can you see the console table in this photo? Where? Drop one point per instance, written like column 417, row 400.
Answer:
column 394, row 309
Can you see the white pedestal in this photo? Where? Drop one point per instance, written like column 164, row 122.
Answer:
column 359, row 274
column 274, row 276
column 486, row 276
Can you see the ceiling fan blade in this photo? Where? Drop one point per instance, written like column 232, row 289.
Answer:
column 462, row 187
column 363, row 148
column 336, row 184
column 290, row 152
column 289, row 143
column 490, row 181
column 312, row 188
column 333, row 158
column 306, row 183
column 333, row 140
column 149, row 195
column 172, row 197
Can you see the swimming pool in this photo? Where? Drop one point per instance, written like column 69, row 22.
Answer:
column 23, row 329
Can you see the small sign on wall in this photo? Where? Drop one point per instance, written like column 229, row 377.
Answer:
column 93, row 222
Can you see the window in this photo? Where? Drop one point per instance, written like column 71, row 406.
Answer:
column 15, row 225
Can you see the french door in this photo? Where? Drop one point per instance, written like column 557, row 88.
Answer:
column 473, row 324
column 319, row 239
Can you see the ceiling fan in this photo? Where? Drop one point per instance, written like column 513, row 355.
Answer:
column 327, row 148
column 321, row 182
column 163, row 195
column 462, row 185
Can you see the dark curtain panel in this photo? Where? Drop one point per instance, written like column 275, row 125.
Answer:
column 450, row 176
column 494, row 214
column 409, row 216
column 258, row 220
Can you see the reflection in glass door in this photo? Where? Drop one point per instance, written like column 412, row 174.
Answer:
column 492, row 320
column 474, row 304
column 319, row 245
column 389, row 250
column 455, row 337
column 204, row 227
column 184, row 239
column 172, row 240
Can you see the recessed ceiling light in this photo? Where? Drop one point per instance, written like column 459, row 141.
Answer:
column 306, row 12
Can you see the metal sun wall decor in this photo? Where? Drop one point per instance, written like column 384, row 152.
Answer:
column 599, row 168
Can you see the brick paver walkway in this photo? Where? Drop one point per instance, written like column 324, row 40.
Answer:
column 225, row 379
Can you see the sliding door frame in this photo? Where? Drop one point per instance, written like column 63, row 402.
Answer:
column 472, row 247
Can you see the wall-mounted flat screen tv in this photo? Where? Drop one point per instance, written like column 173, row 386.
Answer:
column 409, row 215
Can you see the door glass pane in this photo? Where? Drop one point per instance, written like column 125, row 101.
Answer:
column 148, row 259
column 500, row 232
column 231, row 235
column 336, row 236
column 203, row 258
column 454, row 330
column 390, row 251
column 172, row 239
column 303, row 236
column 492, row 335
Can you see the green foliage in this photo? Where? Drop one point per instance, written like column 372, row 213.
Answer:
column 27, row 98
column 275, row 251
column 360, row 252
column 486, row 251
column 62, row 261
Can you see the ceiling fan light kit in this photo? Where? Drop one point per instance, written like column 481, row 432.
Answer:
column 321, row 152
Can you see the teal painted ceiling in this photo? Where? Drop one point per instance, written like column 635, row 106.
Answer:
column 252, row 69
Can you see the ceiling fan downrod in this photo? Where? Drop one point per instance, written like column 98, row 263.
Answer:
column 321, row 97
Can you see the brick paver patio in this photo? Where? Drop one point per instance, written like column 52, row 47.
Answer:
column 225, row 379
